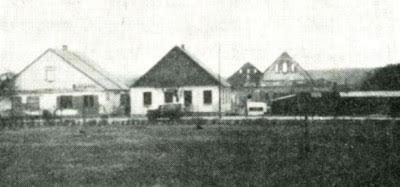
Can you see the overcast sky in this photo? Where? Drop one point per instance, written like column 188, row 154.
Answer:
column 128, row 37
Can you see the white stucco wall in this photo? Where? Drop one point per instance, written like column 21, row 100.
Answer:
column 65, row 76
column 32, row 82
column 108, row 101
column 138, row 108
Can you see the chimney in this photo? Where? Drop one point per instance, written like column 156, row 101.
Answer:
column 65, row 47
column 183, row 46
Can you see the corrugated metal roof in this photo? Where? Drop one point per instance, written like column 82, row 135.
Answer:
column 90, row 69
column 370, row 94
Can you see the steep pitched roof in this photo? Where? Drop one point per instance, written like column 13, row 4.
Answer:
column 299, row 73
column 179, row 68
column 247, row 75
column 89, row 68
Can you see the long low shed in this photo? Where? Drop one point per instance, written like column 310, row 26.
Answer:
column 342, row 103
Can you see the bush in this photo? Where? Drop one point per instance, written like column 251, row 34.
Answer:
column 47, row 115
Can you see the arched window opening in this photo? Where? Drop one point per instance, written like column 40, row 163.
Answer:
column 284, row 67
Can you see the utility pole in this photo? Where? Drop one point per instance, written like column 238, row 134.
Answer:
column 219, row 80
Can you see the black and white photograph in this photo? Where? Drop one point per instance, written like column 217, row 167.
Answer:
column 199, row 93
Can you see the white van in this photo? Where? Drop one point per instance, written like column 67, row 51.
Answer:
column 257, row 108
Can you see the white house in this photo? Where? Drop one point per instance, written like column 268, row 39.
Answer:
column 63, row 82
column 179, row 77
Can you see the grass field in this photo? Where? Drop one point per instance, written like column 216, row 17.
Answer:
column 248, row 153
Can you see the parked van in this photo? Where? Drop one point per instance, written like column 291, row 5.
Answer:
column 257, row 108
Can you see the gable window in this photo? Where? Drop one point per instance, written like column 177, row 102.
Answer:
column 65, row 102
column 50, row 73
column 168, row 97
column 255, row 71
column 88, row 101
column 147, row 98
column 293, row 68
column 284, row 67
column 240, row 71
column 32, row 103
column 248, row 71
column 187, row 98
column 207, row 97
column 276, row 68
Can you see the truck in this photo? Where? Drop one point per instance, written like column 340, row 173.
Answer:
column 167, row 111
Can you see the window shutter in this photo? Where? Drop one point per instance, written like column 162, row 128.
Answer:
column 58, row 102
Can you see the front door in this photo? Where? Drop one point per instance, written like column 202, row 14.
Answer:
column 90, row 105
column 187, row 98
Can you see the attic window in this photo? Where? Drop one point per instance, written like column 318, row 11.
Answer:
column 285, row 67
column 248, row 71
column 240, row 71
column 293, row 68
column 255, row 71
column 276, row 68
column 50, row 73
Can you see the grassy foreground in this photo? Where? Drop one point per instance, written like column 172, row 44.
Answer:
column 257, row 153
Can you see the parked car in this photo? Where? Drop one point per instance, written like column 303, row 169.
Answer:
column 168, row 111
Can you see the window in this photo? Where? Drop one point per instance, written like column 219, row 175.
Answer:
column 284, row 67
column 255, row 71
column 293, row 68
column 32, row 103
column 50, row 73
column 65, row 102
column 147, row 98
column 248, row 71
column 16, row 103
column 207, row 97
column 240, row 71
column 187, row 98
column 124, row 100
column 88, row 101
column 168, row 97
column 276, row 68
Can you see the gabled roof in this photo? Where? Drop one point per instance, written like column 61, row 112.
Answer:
column 179, row 68
column 299, row 74
column 247, row 75
column 89, row 68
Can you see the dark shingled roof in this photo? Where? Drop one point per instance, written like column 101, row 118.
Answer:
column 247, row 75
column 179, row 68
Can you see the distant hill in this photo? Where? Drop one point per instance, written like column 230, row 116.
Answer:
column 353, row 77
